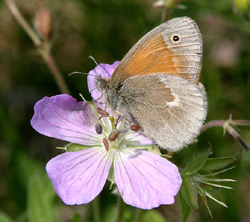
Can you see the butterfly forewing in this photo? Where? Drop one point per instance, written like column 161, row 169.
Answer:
column 174, row 48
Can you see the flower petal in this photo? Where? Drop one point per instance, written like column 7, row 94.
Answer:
column 138, row 139
column 78, row 177
column 145, row 180
column 104, row 71
column 64, row 118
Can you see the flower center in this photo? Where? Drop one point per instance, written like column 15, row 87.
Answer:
column 114, row 131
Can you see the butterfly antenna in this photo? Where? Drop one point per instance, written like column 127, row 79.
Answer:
column 91, row 57
column 82, row 73
column 99, row 66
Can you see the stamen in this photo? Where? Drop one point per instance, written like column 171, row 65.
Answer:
column 102, row 112
column 113, row 136
column 105, row 143
column 134, row 127
column 98, row 128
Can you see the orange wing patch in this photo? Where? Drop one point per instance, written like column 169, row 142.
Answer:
column 153, row 57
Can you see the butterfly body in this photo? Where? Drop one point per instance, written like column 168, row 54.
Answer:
column 157, row 86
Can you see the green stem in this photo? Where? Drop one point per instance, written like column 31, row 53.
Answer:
column 120, row 210
column 96, row 209
column 167, row 9
column 138, row 215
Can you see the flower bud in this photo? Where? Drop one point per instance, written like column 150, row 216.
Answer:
column 43, row 23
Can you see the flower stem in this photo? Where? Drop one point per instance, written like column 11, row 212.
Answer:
column 240, row 122
column 168, row 7
column 138, row 215
column 96, row 209
column 20, row 19
column 56, row 73
column 212, row 124
column 229, row 129
column 43, row 47
column 237, row 136
column 120, row 210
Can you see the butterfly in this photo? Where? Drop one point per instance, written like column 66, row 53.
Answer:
column 156, row 85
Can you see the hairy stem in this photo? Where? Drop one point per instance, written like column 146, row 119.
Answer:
column 43, row 47
column 226, row 125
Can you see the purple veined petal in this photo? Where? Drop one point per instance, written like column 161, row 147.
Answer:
column 145, row 180
column 64, row 118
column 138, row 138
column 104, row 71
column 78, row 177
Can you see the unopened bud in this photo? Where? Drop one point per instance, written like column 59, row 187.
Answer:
column 43, row 23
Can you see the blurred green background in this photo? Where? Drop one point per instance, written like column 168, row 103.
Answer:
column 107, row 29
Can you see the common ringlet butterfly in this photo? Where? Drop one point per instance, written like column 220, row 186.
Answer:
column 156, row 85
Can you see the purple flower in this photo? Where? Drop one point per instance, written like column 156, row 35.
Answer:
column 144, row 179
column 104, row 71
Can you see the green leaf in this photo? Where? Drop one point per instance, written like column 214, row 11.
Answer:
column 40, row 199
column 5, row 218
column 184, row 208
column 188, row 192
column 217, row 163
column 197, row 163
